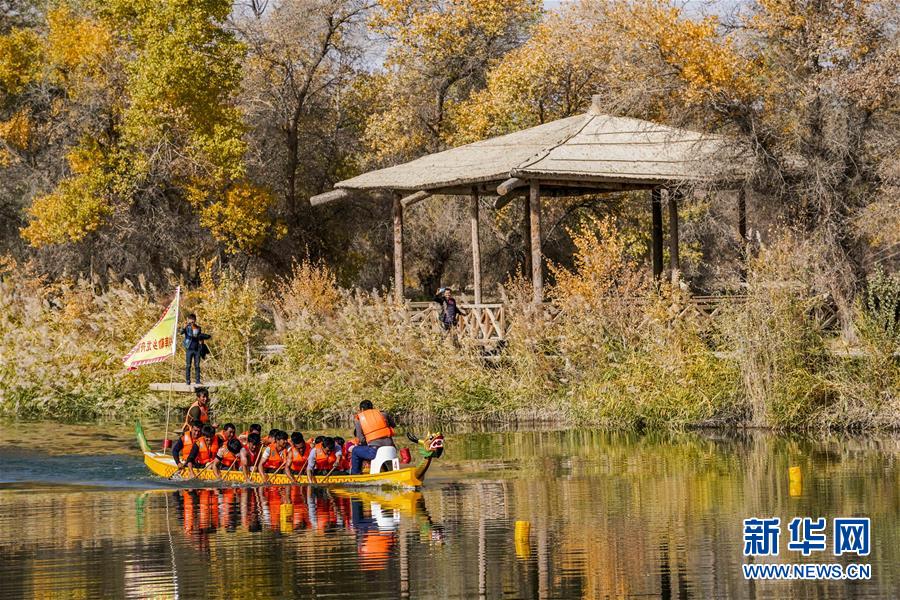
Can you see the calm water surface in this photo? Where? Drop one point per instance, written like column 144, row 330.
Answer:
column 527, row 514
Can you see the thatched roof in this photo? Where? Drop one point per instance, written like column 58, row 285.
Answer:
column 589, row 150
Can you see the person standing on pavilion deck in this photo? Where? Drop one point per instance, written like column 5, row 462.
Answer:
column 450, row 310
column 373, row 429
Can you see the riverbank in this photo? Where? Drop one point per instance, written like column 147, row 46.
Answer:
column 618, row 351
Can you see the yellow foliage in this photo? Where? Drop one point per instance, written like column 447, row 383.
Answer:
column 77, row 44
column 603, row 267
column 78, row 206
column 20, row 55
column 17, row 130
column 68, row 214
column 549, row 77
column 240, row 219
column 310, row 292
column 437, row 50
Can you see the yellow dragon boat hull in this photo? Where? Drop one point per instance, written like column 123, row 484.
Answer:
column 163, row 464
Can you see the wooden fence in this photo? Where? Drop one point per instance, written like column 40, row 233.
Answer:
column 480, row 322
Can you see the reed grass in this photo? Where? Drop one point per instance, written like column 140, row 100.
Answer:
column 614, row 349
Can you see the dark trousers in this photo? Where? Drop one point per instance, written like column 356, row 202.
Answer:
column 192, row 355
column 360, row 453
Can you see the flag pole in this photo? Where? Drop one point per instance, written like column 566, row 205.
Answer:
column 172, row 370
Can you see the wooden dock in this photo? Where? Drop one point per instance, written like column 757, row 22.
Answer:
column 181, row 388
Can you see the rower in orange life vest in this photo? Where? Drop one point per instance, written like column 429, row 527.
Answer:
column 228, row 432
column 323, row 459
column 199, row 410
column 183, row 445
column 298, row 454
column 203, row 452
column 374, row 429
column 274, row 456
column 233, row 454
column 254, row 428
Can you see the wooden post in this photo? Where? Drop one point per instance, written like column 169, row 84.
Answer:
column 534, row 219
column 476, row 246
column 656, row 232
column 742, row 231
column 398, row 248
column 674, row 262
column 527, row 234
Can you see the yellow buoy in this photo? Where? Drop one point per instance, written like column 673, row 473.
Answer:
column 795, row 477
column 286, row 521
column 522, row 537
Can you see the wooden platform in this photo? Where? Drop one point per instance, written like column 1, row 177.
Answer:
column 181, row 388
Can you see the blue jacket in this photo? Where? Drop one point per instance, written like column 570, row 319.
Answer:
column 191, row 341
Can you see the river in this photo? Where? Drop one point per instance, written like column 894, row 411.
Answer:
column 514, row 514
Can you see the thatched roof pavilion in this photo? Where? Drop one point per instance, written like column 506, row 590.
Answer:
column 583, row 154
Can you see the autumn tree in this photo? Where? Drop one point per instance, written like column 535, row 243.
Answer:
column 438, row 54
column 138, row 99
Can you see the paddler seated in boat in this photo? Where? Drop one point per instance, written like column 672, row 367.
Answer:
column 274, row 455
column 199, row 410
column 203, row 452
column 233, row 454
column 323, row 459
column 298, row 454
column 183, row 445
column 373, row 429
column 346, row 451
column 227, row 433
column 254, row 428
column 271, row 437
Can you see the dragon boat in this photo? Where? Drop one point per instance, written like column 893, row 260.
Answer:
column 412, row 477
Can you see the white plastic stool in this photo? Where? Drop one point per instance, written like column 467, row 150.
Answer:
column 385, row 454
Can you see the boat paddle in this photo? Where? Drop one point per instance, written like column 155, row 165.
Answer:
column 329, row 473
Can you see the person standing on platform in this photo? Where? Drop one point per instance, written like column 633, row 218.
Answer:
column 194, row 348
column 450, row 310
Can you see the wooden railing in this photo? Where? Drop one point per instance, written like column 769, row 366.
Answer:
column 481, row 322
column 487, row 323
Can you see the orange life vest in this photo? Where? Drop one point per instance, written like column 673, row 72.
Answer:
column 187, row 443
column 204, row 414
column 323, row 462
column 229, row 458
column 275, row 458
column 206, row 451
column 298, row 461
column 374, row 426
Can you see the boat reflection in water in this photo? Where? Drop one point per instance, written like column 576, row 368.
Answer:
column 374, row 518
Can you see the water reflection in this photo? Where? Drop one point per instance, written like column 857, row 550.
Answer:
column 558, row 514
column 372, row 518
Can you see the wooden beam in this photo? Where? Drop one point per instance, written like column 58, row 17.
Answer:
column 656, row 246
column 674, row 262
column 502, row 201
column 338, row 194
column 476, row 245
column 509, row 185
column 534, row 215
column 397, row 214
column 413, row 198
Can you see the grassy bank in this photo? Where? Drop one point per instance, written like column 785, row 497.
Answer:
column 612, row 350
